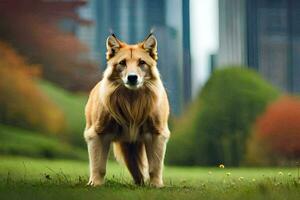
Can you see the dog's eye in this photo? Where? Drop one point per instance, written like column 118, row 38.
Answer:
column 141, row 62
column 120, row 67
column 123, row 62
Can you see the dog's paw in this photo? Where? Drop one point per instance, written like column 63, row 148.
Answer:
column 95, row 182
column 157, row 183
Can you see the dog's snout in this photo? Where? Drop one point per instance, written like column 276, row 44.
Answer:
column 132, row 79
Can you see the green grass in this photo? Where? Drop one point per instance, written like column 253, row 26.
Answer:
column 73, row 107
column 16, row 141
column 24, row 178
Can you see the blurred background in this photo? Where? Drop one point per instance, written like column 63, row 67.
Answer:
column 231, row 69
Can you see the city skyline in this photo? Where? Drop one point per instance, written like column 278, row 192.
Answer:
column 217, row 37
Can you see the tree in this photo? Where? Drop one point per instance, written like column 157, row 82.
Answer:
column 217, row 125
column 22, row 103
column 32, row 27
column 277, row 133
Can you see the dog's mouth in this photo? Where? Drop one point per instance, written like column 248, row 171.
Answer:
column 133, row 86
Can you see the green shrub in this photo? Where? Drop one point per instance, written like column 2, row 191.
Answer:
column 217, row 124
column 15, row 141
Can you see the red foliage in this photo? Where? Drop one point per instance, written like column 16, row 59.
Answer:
column 279, row 127
column 32, row 27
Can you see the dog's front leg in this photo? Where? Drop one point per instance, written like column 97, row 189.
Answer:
column 155, row 149
column 98, row 149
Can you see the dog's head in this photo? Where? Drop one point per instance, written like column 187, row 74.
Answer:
column 131, row 65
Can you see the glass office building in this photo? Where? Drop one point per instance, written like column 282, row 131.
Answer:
column 264, row 35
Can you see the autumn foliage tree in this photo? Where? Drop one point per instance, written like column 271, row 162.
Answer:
column 277, row 132
column 22, row 103
column 32, row 27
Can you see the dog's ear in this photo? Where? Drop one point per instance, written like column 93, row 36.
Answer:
column 113, row 45
column 150, row 45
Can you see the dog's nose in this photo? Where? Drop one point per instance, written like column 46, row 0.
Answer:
column 132, row 79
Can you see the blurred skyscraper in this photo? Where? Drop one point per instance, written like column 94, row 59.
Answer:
column 131, row 21
column 264, row 35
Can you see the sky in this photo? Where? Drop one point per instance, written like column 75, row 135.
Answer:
column 204, row 39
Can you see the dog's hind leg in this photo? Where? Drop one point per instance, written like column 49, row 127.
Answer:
column 155, row 149
column 98, row 149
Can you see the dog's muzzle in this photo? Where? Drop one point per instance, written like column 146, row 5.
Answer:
column 132, row 79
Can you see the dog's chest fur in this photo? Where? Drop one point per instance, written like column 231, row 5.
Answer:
column 131, row 114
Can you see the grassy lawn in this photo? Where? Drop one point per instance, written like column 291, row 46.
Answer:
column 26, row 178
column 73, row 107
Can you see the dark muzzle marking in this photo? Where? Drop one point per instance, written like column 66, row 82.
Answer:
column 132, row 79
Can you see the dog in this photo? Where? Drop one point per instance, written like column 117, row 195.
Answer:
column 128, row 108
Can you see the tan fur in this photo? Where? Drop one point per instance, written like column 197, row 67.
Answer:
column 134, row 120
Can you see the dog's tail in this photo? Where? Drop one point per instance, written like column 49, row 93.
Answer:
column 134, row 156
